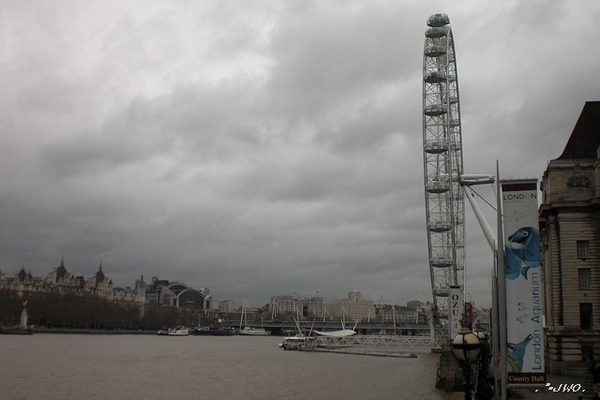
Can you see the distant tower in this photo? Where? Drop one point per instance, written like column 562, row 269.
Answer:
column 61, row 271
column 24, row 316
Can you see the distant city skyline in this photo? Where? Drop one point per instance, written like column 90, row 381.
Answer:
column 216, row 299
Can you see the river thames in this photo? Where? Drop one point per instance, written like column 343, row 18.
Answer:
column 80, row 366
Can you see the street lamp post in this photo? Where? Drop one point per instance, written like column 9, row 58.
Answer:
column 484, row 390
column 465, row 348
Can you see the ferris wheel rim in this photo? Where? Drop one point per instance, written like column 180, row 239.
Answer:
column 443, row 161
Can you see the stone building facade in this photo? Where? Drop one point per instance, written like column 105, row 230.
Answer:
column 60, row 280
column 570, row 246
column 394, row 314
column 352, row 309
column 284, row 307
column 226, row 306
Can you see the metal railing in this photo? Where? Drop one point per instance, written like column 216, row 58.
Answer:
column 408, row 342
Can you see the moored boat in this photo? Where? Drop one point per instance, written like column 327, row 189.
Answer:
column 213, row 331
column 248, row 330
column 298, row 342
column 251, row 331
column 177, row 331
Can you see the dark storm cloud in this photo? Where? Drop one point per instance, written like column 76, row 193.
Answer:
column 265, row 148
column 353, row 60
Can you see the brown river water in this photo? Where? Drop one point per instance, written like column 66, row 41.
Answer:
column 79, row 366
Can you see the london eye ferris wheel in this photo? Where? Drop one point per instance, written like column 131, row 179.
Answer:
column 443, row 164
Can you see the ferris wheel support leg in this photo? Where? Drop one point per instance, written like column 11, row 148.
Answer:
column 485, row 226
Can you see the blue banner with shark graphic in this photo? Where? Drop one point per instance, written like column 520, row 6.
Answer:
column 524, row 302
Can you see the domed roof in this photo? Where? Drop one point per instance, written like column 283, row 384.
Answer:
column 190, row 297
column 61, row 271
column 22, row 274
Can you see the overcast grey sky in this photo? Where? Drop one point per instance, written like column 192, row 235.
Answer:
column 266, row 147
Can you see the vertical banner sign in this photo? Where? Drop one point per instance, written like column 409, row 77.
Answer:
column 455, row 312
column 524, row 330
column 469, row 315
